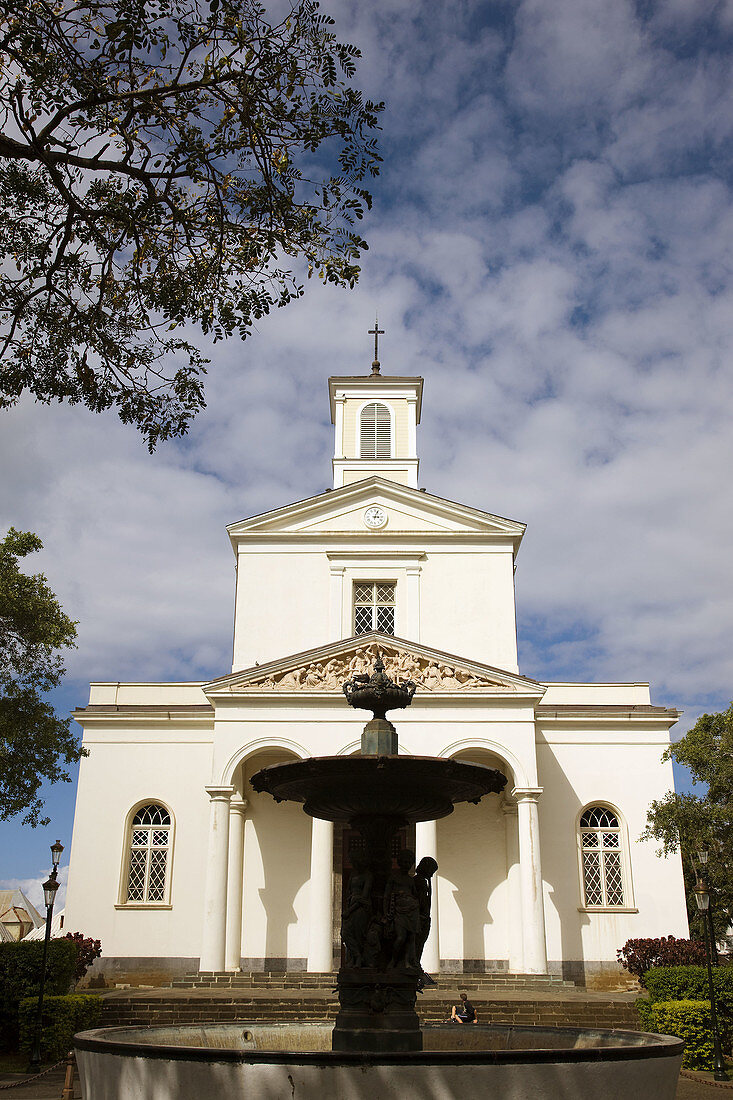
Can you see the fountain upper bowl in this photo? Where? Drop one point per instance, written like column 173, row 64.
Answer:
column 412, row 788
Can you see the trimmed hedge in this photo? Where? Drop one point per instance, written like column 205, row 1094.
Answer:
column 688, row 1020
column 690, row 983
column 645, row 1009
column 20, row 974
column 62, row 1018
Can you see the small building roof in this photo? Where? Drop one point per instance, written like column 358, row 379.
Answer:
column 57, row 928
column 14, row 900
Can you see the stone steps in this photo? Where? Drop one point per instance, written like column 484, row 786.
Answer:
column 471, row 983
column 141, row 1010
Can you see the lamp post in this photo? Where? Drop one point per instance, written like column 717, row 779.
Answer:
column 702, row 897
column 50, row 887
column 702, row 859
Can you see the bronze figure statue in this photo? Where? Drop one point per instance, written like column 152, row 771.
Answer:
column 358, row 911
column 402, row 910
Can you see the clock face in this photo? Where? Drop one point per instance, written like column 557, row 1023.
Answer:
column 375, row 517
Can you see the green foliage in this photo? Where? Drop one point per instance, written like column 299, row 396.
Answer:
column 640, row 955
column 87, row 950
column 644, row 1009
column 690, row 983
column 688, row 1020
column 62, row 1018
column 20, row 973
column 690, row 822
column 34, row 742
column 163, row 163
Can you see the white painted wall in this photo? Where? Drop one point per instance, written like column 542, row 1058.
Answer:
column 467, row 604
column 282, row 604
column 465, row 598
column 472, row 886
column 277, row 842
column 621, row 768
column 125, row 766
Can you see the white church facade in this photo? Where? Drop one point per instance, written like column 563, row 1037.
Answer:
column 178, row 865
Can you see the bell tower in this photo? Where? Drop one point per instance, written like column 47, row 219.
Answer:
column 375, row 420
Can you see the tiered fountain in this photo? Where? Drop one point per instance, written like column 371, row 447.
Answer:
column 387, row 912
column 377, row 1051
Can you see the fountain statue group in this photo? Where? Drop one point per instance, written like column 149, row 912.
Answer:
column 391, row 935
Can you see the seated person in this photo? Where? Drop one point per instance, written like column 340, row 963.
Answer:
column 464, row 1013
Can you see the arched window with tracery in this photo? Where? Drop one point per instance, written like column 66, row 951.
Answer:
column 375, row 431
column 149, row 854
column 602, row 858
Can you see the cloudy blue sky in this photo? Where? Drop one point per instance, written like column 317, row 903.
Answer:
column 551, row 248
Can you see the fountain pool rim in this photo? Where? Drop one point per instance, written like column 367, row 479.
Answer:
column 626, row 1045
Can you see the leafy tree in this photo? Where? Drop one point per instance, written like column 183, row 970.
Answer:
column 690, row 822
column 163, row 162
column 34, row 742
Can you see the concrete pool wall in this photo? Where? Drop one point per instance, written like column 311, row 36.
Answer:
column 294, row 1062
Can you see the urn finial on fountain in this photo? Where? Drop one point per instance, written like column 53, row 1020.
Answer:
column 377, row 693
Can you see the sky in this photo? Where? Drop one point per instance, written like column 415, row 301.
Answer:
column 551, row 248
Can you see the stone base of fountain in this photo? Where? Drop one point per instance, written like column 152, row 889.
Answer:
column 377, row 1011
column 243, row 1061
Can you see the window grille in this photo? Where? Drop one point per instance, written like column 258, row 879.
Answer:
column 374, row 606
column 375, row 431
column 601, row 853
column 149, row 846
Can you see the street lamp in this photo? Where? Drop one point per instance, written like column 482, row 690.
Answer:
column 702, row 897
column 50, row 887
column 702, row 859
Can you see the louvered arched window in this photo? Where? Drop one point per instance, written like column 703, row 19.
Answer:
column 149, row 854
column 375, row 431
column 602, row 858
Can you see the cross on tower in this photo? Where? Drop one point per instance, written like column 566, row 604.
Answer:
column 376, row 332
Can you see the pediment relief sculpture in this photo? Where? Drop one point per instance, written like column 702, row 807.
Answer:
column 329, row 675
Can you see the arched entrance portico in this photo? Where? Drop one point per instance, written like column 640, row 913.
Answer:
column 257, row 900
column 489, row 896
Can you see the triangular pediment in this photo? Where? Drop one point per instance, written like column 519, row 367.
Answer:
column 406, row 511
column 327, row 668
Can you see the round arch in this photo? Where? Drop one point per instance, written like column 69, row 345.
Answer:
column 626, row 868
column 390, row 410
column 253, row 747
column 519, row 775
column 604, row 804
column 126, row 851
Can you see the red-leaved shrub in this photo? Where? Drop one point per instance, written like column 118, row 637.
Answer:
column 638, row 956
column 87, row 950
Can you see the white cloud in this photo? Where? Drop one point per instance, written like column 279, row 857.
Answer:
column 33, row 888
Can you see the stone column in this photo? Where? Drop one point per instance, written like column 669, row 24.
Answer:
column 514, row 889
column 213, row 941
column 530, row 873
column 320, row 933
column 235, row 883
column 426, row 844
